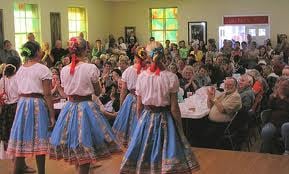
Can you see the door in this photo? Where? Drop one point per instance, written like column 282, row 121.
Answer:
column 55, row 25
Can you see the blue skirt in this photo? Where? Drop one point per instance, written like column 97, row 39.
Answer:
column 29, row 133
column 82, row 134
column 126, row 120
column 158, row 146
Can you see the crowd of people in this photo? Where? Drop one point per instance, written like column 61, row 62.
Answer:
column 125, row 93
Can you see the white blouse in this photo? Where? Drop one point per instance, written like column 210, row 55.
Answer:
column 130, row 77
column 11, row 89
column 155, row 89
column 80, row 83
column 29, row 79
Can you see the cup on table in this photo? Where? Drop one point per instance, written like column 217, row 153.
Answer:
column 189, row 94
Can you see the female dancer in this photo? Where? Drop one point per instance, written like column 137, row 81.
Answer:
column 126, row 119
column 29, row 133
column 81, row 134
column 158, row 144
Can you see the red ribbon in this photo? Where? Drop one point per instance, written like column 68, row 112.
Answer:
column 74, row 61
column 155, row 68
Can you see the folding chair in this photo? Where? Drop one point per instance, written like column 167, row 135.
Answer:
column 265, row 116
column 229, row 134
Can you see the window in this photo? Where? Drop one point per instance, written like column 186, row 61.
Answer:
column 252, row 32
column 77, row 21
column 164, row 24
column 262, row 32
column 26, row 20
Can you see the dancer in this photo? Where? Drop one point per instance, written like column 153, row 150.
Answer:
column 126, row 119
column 158, row 144
column 29, row 133
column 81, row 135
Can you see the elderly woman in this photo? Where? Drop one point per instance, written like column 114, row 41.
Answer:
column 279, row 122
column 260, row 88
column 187, row 82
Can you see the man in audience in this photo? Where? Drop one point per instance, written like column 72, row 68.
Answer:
column 278, row 64
column 247, row 97
column 223, row 109
column 58, row 52
column 183, row 50
column 7, row 52
column 31, row 37
column 246, row 92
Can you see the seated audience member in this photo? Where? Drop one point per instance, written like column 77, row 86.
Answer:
column 106, row 74
column 278, row 64
column 116, row 78
column 98, row 49
column 183, row 50
column 97, row 62
column 237, row 50
column 54, row 71
column 7, row 51
column 279, row 121
column 227, row 49
column 198, row 54
column 65, row 60
column 211, row 52
column 187, row 82
column 263, row 55
column 252, row 54
column 175, row 51
column 202, row 79
column 121, row 44
column 59, row 65
column 260, row 85
column 285, row 71
column 181, row 65
column 246, row 92
column 46, row 57
column 218, row 60
column 238, row 68
column 223, row 108
column 123, row 63
column 109, row 115
column 216, row 74
column 58, row 52
column 227, row 67
column 57, row 91
column 174, row 69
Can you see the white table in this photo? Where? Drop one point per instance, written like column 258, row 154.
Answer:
column 197, row 101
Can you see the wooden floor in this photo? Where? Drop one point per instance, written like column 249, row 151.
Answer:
column 211, row 161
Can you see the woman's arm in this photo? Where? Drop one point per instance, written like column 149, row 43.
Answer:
column 123, row 92
column 97, row 89
column 176, row 110
column 139, row 107
column 61, row 91
column 51, row 57
column 48, row 98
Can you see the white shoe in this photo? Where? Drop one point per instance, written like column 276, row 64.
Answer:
column 286, row 152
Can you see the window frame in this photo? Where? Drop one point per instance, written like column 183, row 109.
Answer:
column 25, row 18
column 85, row 32
column 164, row 30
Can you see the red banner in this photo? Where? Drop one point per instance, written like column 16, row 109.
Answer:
column 246, row 20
